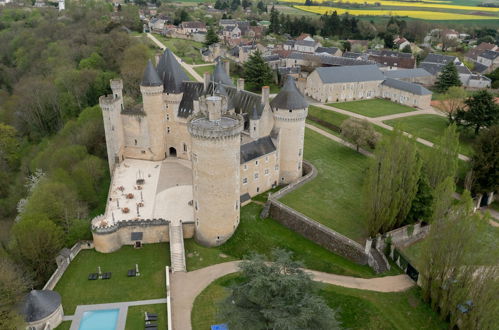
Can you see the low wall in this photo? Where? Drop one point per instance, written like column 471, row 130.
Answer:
column 309, row 228
column 403, row 236
column 63, row 265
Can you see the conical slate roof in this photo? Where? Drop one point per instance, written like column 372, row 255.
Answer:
column 171, row 73
column 220, row 76
column 220, row 90
column 289, row 97
column 39, row 304
column 150, row 77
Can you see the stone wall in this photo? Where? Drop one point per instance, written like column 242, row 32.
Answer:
column 309, row 228
column 403, row 236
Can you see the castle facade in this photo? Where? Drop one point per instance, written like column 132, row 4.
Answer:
column 225, row 143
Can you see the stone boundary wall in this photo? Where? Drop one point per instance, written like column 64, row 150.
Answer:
column 403, row 236
column 57, row 274
column 309, row 228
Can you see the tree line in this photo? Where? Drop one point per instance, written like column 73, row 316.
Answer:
column 53, row 172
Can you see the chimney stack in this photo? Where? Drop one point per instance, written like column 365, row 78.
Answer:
column 265, row 94
column 227, row 67
column 240, row 84
column 207, row 78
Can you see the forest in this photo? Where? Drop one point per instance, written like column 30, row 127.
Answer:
column 53, row 170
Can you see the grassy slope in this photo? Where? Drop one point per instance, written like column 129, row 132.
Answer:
column 334, row 198
column 261, row 236
column 193, row 57
column 357, row 309
column 205, row 68
column 135, row 317
column 373, row 108
column 76, row 289
column 431, row 127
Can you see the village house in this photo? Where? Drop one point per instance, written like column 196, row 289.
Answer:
column 490, row 59
column 401, row 42
column 191, row 27
column 392, row 60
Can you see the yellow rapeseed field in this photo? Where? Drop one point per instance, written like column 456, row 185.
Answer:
column 409, row 4
column 428, row 15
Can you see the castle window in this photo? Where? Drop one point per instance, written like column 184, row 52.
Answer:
column 257, row 189
column 168, row 130
column 256, row 163
column 245, row 180
column 277, row 167
column 266, row 159
column 237, row 205
column 256, row 176
column 196, row 205
column 143, row 152
column 167, row 117
column 266, row 171
column 135, row 141
column 299, row 152
column 245, row 167
column 185, row 147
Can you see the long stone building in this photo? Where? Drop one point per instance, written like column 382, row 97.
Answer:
column 349, row 83
column 185, row 160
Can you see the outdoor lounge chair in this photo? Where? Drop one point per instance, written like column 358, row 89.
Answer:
column 106, row 276
column 132, row 273
column 151, row 328
column 93, row 276
column 152, row 325
column 151, row 318
column 151, row 315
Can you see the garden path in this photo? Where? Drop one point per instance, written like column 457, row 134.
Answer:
column 186, row 287
column 186, row 66
column 379, row 121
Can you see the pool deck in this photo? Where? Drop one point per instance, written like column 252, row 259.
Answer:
column 122, row 306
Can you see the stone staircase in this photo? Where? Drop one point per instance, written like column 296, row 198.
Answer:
column 177, row 254
column 380, row 264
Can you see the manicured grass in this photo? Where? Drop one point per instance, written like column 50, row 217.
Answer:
column 373, row 107
column 187, row 50
column 356, row 309
column 205, row 68
column 135, row 318
column 64, row 326
column 261, row 236
column 431, row 128
column 332, row 117
column 76, row 289
column 334, row 197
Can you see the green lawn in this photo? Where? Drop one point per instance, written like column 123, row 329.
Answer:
column 135, row 317
column 334, row 197
column 76, row 289
column 431, row 127
column 205, row 68
column 256, row 235
column 64, row 326
column 357, row 309
column 373, row 108
column 187, row 50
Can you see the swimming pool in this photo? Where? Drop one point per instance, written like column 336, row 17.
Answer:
column 99, row 320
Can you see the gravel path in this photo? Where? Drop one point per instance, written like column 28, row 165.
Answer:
column 185, row 287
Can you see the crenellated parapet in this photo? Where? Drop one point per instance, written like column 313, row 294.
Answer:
column 108, row 229
column 228, row 126
column 291, row 116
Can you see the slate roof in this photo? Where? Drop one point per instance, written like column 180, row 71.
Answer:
column 489, row 54
column 289, row 97
column 406, row 86
column 244, row 197
column 192, row 91
column 307, row 43
column 329, row 50
column 389, row 53
column 255, row 149
column 219, row 74
column 479, row 67
column 171, row 72
column 438, row 58
column 150, row 77
column 435, row 68
column 406, row 73
column 39, row 304
column 270, row 58
column 352, row 55
column 345, row 74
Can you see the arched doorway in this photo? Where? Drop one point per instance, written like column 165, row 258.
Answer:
column 172, row 151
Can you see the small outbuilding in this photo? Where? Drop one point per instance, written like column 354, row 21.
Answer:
column 42, row 309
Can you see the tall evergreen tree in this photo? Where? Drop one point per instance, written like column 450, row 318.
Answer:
column 261, row 6
column 486, row 161
column 256, row 72
column 274, row 26
column 481, row 111
column 211, row 37
column 447, row 78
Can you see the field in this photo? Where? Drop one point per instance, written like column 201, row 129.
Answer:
column 334, row 197
column 418, row 14
column 76, row 289
column 357, row 309
column 373, row 108
column 431, row 127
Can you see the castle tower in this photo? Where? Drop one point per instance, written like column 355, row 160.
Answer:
column 290, row 111
column 216, row 147
column 151, row 88
column 254, row 125
column 111, row 106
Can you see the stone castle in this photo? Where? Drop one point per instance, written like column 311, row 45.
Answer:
column 193, row 153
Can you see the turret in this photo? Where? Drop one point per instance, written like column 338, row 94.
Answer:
column 290, row 111
column 216, row 147
column 254, row 126
column 151, row 88
column 111, row 106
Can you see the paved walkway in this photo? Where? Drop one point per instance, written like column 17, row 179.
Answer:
column 379, row 121
column 187, row 286
column 122, row 306
column 186, row 66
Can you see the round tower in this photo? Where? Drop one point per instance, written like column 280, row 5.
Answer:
column 290, row 111
column 151, row 88
column 216, row 147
